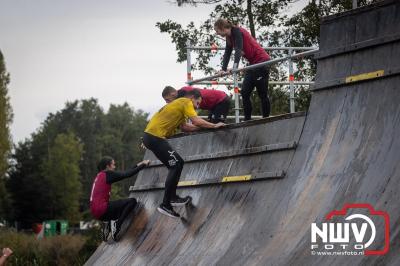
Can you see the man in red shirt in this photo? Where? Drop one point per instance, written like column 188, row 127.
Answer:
column 112, row 213
column 216, row 102
column 244, row 44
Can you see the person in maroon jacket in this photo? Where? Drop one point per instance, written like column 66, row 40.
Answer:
column 112, row 213
column 216, row 102
column 244, row 44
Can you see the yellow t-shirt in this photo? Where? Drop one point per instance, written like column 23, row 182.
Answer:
column 164, row 123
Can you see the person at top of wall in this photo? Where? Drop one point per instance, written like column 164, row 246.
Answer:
column 245, row 45
column 216, row 102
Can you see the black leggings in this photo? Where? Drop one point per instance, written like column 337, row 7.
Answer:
column 171, row 159
column 119, row 210
column 220, row 111
column 258, row 78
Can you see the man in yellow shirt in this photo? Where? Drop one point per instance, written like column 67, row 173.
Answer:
column 163, row 125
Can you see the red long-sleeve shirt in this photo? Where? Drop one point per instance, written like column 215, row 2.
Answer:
column 210, row 98
column 101, row 188
column 244, row 44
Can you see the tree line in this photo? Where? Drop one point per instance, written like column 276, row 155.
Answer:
column 49, row 175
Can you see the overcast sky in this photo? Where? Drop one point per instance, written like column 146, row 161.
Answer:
column 63, row 50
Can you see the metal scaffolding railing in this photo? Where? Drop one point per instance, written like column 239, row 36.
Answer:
column 266, row 63
column 211, row 80
column 215, row 82
column 268, row 48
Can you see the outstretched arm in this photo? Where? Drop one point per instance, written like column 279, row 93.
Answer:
column 227, row 55
column 186, row 127
column 200, row 122
column 115, row 176
column 238, row 38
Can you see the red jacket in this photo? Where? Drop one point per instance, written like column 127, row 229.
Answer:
column 210, row 98
column 101, row 188
column 100, row 195
column 252, row 51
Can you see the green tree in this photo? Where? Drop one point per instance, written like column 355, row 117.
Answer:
column 303, row 30
column 5, row 137
column 5, row 201
column 28, row 190
column 62, row 175
column 85, row 119
column 88, row 125
column 121, row 139
column 261, row 17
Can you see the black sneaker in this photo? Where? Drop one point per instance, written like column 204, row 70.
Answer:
column 178, row 201
column 105, row 231
column 114, row 230
column 168, row 210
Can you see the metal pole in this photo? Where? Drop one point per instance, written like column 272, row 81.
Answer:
column 233, row 116
column 269, row 48
column 291, row 80
column 270, row 62
column 188, row 62
column 295, row 83
column 355, row 4
column 236, row 90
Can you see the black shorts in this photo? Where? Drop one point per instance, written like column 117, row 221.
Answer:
column 116, row 208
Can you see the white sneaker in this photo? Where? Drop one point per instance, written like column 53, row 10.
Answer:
column 106, row 231
column 114, row 230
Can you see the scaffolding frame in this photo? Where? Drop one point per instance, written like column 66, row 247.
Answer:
column 211, row 80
